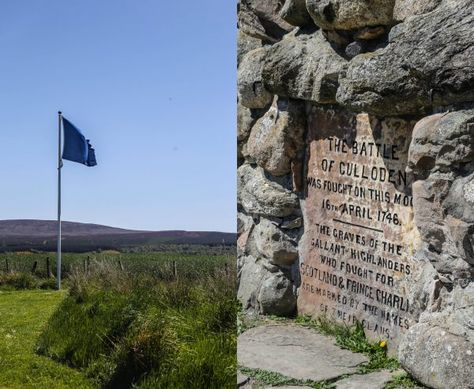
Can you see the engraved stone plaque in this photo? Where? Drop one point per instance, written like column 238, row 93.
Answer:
column 359, row 240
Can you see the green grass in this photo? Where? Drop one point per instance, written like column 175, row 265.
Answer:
column 403, row 381
column 158, row 264
column 22, row 317
column 146, row 329
column 276, row 379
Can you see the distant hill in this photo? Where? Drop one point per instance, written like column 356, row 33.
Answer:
column 41, row 235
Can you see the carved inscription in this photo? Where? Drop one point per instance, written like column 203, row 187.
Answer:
column 359, row 235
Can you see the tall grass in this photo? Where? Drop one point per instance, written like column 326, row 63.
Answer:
column 146, row 329
column 158, row 263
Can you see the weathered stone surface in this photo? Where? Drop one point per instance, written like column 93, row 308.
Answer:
column 438, row 358
column 295, row 13
column 245, row 121
column 441, row 157
column 273, row 243
column 259, row 195
column 353, row 49
column 265, row 288
column 277, row 138
column 400, row 80
column 246, row 43
column 415, row 285
column 350, row 14
column 261, row 18
column 355, row 263
column 251, row 91
column 303, row 66
column 277, row 295
column 245, row 226
column 258, row 347
column 439, row 350
column 291, row 387
column 375, row 380
column 242, row 379
column 406, row 8
column 250, row 278
column 443, row 143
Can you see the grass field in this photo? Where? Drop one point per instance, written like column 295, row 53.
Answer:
column 192, row 264
column 23, row 315
column 141, row 320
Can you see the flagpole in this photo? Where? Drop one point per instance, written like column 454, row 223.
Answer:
column 60, row 165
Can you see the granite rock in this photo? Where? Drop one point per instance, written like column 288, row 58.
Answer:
column 259, row 195
column 251, row 90
column 276, row 138
column 441, row 156
column 295, row 13
column 246, row 43
column 264, row 288
column 278, row 246
column 399, row 80
column 263, row 15
column 303, row 66
column 406, row 8
column 350, row 14
column 438, row 358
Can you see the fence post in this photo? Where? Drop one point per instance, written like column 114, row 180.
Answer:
column 175, row 270
column 120, row 264
column 226, row 269
column 48, row 268
column 88, row 264
column 35, row 264
column 6, row 265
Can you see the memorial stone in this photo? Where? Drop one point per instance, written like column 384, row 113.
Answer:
column 357, row 250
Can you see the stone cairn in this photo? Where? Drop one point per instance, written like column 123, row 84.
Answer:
column 319, row 81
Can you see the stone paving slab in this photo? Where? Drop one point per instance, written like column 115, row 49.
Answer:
column 375, row 380
column 290, row 387
column 295, row 352
column 242, row 379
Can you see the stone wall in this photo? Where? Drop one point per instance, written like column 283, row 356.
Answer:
column 356, row 171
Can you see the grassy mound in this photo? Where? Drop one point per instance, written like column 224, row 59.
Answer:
column 128, row 329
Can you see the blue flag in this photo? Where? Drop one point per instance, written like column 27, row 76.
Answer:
column 76, row 147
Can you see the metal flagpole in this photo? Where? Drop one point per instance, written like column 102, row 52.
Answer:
column 60, row 165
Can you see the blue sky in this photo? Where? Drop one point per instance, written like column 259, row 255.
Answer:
column 151, row 83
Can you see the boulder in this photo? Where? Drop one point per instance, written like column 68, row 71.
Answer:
column 251, row 91
column 276, row 138
column 406, row 8
column 250, row 24
column 399, row 80
column 295, row 13
column 439, row 350
column 303, row 66
column 245, row 226
column 245, row 122
column 246, row 43
column 265, row 288
column 277, row 296
column 350, row 14
column 441, row 156
column 437, row 358
column 259, row 195
column 250, row 277
column 442, row 142
column 255, row 15
column 278, row 246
